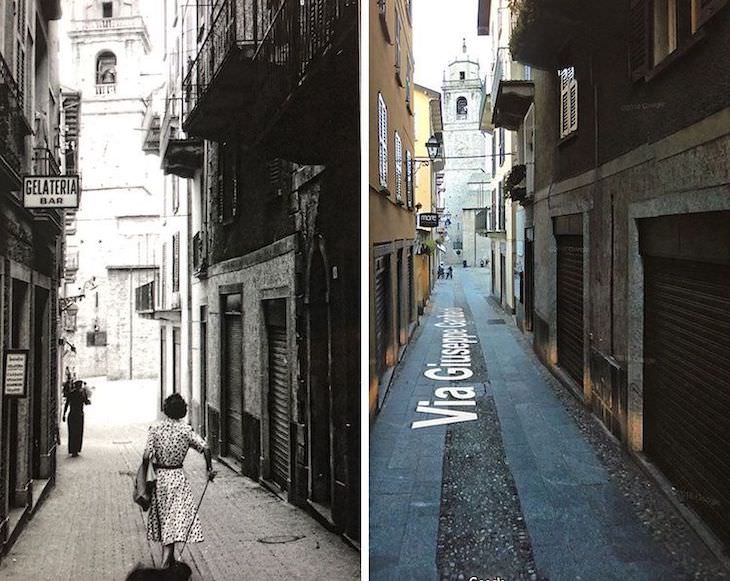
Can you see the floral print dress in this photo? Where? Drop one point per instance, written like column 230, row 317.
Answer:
column 172, row 509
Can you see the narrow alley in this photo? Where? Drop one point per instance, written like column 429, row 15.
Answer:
column 521, row 484
column 88, row 528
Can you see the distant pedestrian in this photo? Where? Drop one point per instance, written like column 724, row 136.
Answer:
column 77, row 396
column 173, row 515
column 450, row 272
column 440, row 272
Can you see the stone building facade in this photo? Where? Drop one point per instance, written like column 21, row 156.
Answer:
column 465, row 180
column 631, row 226
column 112, row 246
column 31, row 250
column 269, row 163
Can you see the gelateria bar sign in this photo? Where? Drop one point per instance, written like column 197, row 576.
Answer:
column 51, row 191
column 452, row 403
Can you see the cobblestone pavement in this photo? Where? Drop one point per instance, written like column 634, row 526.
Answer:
column 88, row 529
column 534, row 489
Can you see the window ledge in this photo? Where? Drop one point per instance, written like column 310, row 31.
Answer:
column 568, row 138
column 677, row 54
column 384, row 190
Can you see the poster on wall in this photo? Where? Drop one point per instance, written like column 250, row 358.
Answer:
column 15, row 373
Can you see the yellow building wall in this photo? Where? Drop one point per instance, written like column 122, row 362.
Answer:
column 389, row 222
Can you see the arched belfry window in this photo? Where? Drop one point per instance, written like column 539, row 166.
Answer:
column 106, row 68
column 461, row 106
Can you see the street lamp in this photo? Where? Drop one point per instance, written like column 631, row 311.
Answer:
column 433, row 145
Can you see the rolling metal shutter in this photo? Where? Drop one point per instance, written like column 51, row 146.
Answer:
column 381, row 312
column 279, row 386
column 687, row 382
column 570, row 306
column 409, row 317
column 233, row 355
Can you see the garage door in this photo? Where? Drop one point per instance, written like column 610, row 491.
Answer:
column 687, row 382
column 279, row 387
column 382, row 272
column 233, row 375
column 570, row 306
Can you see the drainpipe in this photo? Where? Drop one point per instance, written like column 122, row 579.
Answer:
column 131, row 323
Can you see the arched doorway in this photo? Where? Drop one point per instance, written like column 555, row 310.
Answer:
column 319, row 387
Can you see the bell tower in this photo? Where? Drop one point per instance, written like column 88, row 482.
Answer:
column 463, row 92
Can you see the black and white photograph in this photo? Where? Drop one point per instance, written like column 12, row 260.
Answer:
column 180, row 290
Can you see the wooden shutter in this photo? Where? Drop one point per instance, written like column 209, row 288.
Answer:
column 382, row 142
column 640, row 36
column 409, row 179
column 398, row 168
column 568, row 102
column 570, row 305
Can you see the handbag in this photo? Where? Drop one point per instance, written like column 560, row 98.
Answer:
column 144, row 484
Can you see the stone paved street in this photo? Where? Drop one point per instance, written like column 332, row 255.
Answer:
column 89, row 529
column 529, row 490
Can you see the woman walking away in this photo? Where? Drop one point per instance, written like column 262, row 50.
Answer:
column 172, row 515
column 77, row 396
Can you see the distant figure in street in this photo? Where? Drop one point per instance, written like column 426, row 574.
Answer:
column 440, row 271
column 172, row 515
column 77, row 396
column 450, row 272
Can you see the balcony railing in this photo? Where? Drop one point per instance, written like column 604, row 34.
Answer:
column 13, row 127
column 144, row 298
column 106, row 89
column 277, row 48
column 233, row 26
column 44, row 162
column 116, row 22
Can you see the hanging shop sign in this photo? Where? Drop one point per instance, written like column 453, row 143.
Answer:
column 428, row 220
column 51, row 191
column 15, row 373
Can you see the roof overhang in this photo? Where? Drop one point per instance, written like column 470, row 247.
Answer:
column 483, row 13
column 511, row 104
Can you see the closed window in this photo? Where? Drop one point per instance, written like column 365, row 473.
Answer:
column 398, row 169
column 382, row 142
column 568, row 102
column 409, row 179
column 176, row 262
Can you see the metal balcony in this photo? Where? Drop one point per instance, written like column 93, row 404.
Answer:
column 13, row 129
column 45, row 163
column 144, row 298
column 180, row 155
column 261, row 71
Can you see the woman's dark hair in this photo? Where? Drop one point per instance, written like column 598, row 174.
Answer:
column 175, row 406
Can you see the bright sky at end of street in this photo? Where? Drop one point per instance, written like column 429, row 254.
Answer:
column 439, row 27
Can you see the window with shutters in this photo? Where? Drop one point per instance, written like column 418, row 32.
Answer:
column 175, row 182
column 659, row 28
column 382, row 142
column 568, row 102
column 176, row 262
column 228, row 181
column 398, row 47
column 409, row 179
column 502, row 153
column 398, row 169
column 409, row 75
column 500, row 204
